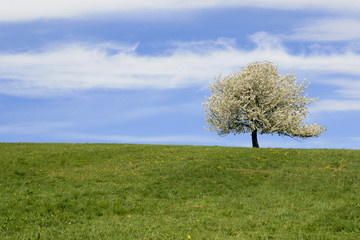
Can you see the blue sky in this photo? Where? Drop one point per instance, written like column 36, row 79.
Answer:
column 137, row 71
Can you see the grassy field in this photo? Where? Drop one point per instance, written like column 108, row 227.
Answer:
column 121, row 191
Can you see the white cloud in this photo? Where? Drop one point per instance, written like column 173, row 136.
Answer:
column 334, row 105
column 346, row 88
column 204, row 46
column 328, row 30
column 79, row 66
column 22, row 10
column 31, row 128
column 266, row 41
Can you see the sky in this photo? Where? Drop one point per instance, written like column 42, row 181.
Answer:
column 113, row 71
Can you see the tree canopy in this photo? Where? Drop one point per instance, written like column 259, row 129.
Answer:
column 259, row 100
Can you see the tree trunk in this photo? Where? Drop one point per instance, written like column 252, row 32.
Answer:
column 254, row 139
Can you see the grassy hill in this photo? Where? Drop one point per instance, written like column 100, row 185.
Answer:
column 122, row 191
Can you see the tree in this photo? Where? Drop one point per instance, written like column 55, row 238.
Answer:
column 259, row 100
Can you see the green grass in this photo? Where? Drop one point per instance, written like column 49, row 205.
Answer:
column 121, row 191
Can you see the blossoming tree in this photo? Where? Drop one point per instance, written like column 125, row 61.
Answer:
column 259, row 100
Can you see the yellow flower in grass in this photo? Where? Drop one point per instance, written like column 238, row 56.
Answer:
column 189, row 237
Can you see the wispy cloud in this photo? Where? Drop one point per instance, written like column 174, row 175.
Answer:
column 335, row 29
column 205, row 46
column 266, row 41
column 335, row 105
column 31, row 128
column 19, row 10
column 86, row 66
column 347, row 88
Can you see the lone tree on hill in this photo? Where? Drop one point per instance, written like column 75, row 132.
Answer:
column 259, row 100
